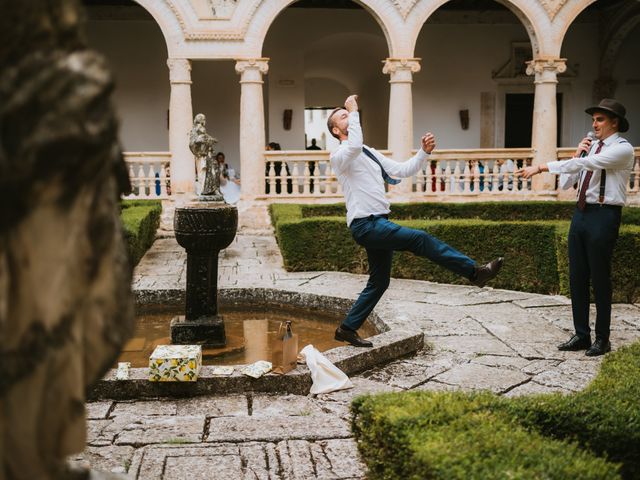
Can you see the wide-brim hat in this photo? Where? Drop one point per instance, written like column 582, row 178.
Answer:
column 610, row 106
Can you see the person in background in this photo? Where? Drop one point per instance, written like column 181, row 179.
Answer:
column 313, row 145
column 277, row 169
column 312, row 165
column 229, row 186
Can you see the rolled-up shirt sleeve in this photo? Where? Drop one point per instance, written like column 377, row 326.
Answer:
column 403, row 169
column 349, row 150
column 615, row 157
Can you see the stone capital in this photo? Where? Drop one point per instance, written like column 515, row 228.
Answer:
column 546, row 70
column 252, row 69
column 179, row 70
column 401, row 70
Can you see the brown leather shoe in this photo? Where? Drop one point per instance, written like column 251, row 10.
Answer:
column 574, row 344
column 349, row 336
column 487, row 272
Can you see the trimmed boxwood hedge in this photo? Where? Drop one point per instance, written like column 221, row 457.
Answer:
column 140, row 220
column 497, row 211
column 453, row 435
column 535, row 250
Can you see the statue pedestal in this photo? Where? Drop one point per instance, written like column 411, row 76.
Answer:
column 206, row 331
column 202, row 229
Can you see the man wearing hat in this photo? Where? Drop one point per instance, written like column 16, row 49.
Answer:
column 601, row 170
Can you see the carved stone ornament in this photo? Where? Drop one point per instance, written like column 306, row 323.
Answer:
column 259, row 64
column 405, row 6
column 540, row 66
column 195, row 27
column 552, row 6
column 393, row 65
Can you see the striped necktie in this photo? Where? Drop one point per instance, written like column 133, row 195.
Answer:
column 582, row 196
column 385, row 175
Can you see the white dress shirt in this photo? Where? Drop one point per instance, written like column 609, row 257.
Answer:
column 616, row 157
column 361, row 178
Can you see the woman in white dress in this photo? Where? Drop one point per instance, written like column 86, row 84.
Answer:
column 229, row 185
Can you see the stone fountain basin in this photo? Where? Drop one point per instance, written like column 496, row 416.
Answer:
column 389, row 344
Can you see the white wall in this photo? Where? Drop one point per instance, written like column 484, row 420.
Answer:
column 457, row 65
column 137, row 55
column 627, row 72
column 339, row 51
column 215, row 91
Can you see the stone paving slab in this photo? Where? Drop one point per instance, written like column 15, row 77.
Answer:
column 284, row 405
column 159, row 429
column 274, row 429
column 473, row 376
column 113, row 459
column 98, row 410
column 472, row 344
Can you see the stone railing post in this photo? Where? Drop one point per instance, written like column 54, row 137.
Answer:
column 252, row 135
column 544, row 137
column 400, row 137
column 180, row 122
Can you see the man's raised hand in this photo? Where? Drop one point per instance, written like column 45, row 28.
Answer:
column 351, row 103
column 428, row 142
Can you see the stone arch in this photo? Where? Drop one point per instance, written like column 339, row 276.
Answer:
column 617, row 33
column 522, row 9
column 167, row 21
column 262, row 21
column 570, row 12
column 616, row 28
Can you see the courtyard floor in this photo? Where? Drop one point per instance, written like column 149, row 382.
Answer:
column 475, row 339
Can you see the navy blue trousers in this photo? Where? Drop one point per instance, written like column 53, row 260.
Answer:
column 381, row 238
column 592, row 237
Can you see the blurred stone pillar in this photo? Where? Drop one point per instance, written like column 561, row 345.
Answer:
column 252, row 135
column 183, row 175
column 65, row 279
column 400, row 137
column 544, row 137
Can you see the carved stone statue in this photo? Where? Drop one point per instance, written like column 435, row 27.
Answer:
column 65, row 298
column 201, row 145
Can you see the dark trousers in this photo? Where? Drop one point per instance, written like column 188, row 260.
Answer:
column 592, row 237
column 380, row 238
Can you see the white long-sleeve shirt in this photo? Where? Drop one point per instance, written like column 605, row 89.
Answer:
column 361, row 178
column 616, row 157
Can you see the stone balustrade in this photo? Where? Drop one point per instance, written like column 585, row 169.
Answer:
column 149, row 174
column 473, row 172
column 451, row 175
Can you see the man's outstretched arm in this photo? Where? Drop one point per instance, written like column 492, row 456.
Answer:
column 414, row 164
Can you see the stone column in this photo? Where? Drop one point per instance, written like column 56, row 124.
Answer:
column 544, row 137
column 400, row 137
column 252, row 135
column 180, row 121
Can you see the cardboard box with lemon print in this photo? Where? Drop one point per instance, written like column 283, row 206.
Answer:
column 175, row 363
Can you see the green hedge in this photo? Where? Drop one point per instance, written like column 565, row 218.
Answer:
column 593, row 434
column 535, row 251
column 624, row 267
column 140, row 220
column 496, row 211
